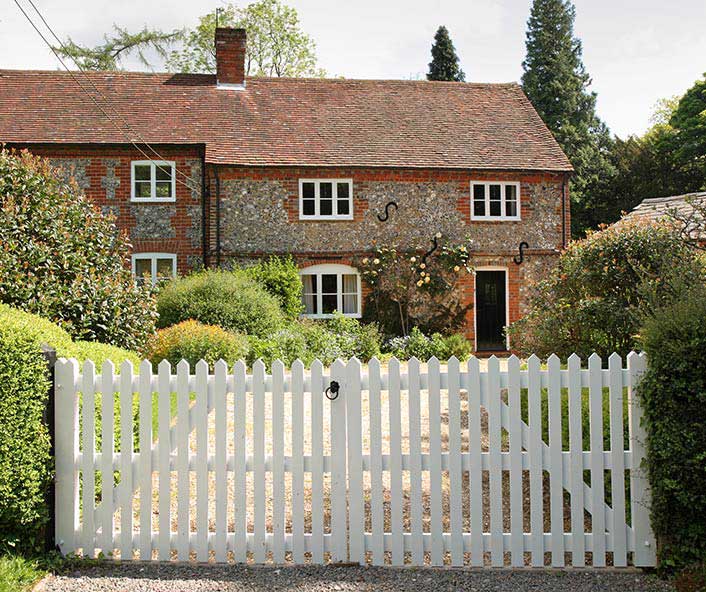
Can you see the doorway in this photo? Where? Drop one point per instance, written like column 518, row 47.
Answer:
column 491, row 310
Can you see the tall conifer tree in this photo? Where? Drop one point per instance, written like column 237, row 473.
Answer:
column 556, row 82
column 444, row 61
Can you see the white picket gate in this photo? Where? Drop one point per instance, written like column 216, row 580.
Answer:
column 410, row 464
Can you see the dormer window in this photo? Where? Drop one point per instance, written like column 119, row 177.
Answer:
column 325, row 199
column 153, row 181
column 495, row 201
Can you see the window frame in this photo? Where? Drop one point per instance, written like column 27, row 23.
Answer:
column 503, row 201
column 339, row 270
column 153, row 164
column 153, row 268
column 317, row 199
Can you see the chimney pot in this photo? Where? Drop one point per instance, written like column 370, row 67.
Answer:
column 230, row 57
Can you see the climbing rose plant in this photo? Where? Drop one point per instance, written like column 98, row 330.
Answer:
column 414, row 289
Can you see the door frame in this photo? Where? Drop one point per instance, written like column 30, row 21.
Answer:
column 507, row 302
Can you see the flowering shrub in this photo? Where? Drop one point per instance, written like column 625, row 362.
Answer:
column 62, row 259
column 413, row 289
column 594, row 298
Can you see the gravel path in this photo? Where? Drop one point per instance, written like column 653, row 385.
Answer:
column 138, row 577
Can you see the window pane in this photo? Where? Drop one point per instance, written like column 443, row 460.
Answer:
column 343, row 209
column 309, row 294
column 510, row 192
column 350, row 304
column 143, row 189
column 163, row 189
column 143, row 172
column 308, row 190
column 329, row 303
column 343, row 192
column 479, row 192
column 326, row 207
column 329, row 283
column 479, row 200
column 326, row 190
column 143, row 267
column 495, row 200
column 164, row 172
column 479, row 208
column 350, row 283
column 165, row 268
column 511, row 208
column 308, row 207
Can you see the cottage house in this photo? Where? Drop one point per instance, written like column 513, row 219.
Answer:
column 204, row 169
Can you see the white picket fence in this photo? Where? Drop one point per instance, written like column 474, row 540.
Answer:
column 411, row 464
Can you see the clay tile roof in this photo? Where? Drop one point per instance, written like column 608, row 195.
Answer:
column 655, row 209
column 290, row 121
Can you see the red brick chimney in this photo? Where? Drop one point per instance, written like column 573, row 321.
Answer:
column 230, row 57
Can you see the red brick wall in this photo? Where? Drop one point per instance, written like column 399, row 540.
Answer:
column 97, row 169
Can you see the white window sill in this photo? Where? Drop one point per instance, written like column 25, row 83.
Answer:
column 325, row 218
column 330, row 316
column 495, row 219
column 152, row 199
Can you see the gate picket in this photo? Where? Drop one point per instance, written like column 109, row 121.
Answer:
column 336, row 473
column 89, row 476
column 376, row 494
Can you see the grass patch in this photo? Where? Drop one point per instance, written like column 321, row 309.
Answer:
column 18, row 574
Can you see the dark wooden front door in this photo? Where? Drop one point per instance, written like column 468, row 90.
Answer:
column 491, row 313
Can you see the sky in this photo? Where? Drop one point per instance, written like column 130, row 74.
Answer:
column 636, row 51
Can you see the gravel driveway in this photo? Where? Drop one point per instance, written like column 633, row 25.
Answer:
column 201, row 578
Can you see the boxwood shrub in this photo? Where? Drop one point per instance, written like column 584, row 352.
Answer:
column 228, row 299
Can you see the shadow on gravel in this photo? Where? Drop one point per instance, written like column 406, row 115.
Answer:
column 140, row 577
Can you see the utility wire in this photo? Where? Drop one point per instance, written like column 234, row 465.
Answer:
column 93, row 98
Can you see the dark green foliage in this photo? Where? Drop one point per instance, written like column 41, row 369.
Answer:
column 556, row 82
column 417, row 345
column 593, row 298
column 25, row 464
column 444, row 61
column 280, row 277
column 193, row 341
column 228, row 299
column 689, row 123
column 673, row 396
column 62, row 259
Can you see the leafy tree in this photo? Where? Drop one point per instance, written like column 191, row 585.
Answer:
column 276, row 44
column 110, row 54
column 62, row 259
column 556, row 82
column 444, row 61
column 689, row 123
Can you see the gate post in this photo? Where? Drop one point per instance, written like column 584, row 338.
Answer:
column 66, row 435
column 49, row 354
column 645, row 554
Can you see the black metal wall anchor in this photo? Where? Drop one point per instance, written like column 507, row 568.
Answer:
column 435, row 242
column 332, row 388
column 518, row 259
column 387, row 211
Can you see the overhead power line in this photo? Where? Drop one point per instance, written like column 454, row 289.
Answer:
column 188, row 185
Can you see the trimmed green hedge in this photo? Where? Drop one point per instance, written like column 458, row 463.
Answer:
column 673, row 396
column 25, row 464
